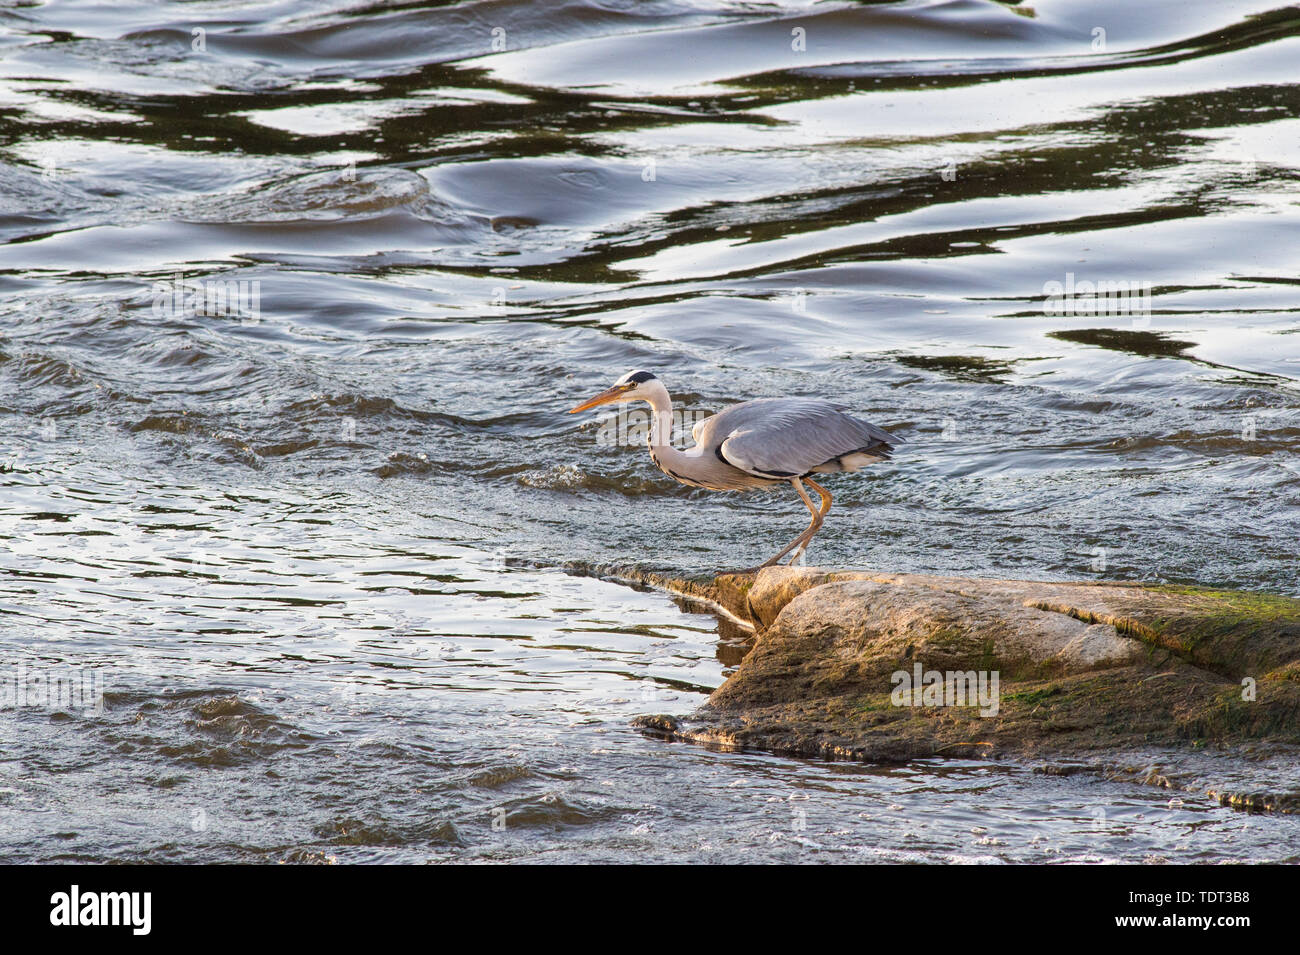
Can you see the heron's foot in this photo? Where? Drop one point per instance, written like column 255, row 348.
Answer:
column 741, row 571
column 771, row 562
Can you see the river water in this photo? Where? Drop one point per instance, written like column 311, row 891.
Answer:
column 295, row 296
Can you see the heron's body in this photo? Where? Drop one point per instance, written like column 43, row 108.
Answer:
column 768, row 441
column 758, row 444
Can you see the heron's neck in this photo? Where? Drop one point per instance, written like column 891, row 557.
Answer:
column 661, row 431
column 661, row 421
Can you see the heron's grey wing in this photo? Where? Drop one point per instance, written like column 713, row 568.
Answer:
column 790, row 437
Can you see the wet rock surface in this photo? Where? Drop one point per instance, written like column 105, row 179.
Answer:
column 889, row 667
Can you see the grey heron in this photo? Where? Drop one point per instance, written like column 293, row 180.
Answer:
column 757, row 443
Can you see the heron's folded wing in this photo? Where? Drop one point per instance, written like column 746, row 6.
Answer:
column 790, row 437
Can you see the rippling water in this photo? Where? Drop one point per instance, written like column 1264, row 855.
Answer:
column 310, row 532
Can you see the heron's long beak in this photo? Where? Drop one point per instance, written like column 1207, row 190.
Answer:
column 605, row 397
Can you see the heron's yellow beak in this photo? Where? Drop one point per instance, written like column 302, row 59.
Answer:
column 605, row 397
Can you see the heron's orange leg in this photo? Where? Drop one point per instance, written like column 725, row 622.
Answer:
column 802, row 540
column 820, row 516
column 825, row 496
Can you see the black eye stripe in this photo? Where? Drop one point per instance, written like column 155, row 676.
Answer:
column 640, row 377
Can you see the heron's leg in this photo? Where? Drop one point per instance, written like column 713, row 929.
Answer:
column 818, row 515
column 803, row 538
column 825, row 496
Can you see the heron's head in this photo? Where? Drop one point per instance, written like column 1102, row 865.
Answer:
column 634, row 386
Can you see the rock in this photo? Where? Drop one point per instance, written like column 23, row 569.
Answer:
column 1067, row 669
